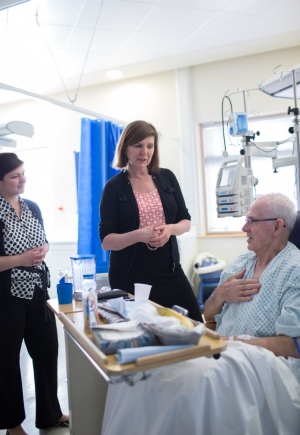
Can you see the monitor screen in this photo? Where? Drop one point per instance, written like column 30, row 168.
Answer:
column 225, row 176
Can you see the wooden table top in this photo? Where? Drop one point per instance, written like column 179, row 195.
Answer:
column 72, row 318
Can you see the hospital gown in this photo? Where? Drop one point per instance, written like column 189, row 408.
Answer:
column 275, row 310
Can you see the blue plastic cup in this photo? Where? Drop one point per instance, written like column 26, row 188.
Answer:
column 64, row 293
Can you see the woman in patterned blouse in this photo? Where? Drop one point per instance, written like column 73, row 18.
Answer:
column 142, row 212
column 23, row 244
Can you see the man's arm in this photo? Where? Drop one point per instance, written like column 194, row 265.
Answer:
column 281, row 345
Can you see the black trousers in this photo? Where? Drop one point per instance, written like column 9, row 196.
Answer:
column 22, row 319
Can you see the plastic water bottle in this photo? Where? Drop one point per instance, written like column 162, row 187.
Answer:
column 60, row 276
column 89, row 299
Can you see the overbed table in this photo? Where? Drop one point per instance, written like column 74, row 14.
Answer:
column 90, row 371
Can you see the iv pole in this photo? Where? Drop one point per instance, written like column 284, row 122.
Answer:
column 270, row 88
column 296, row 130
column 246, row 140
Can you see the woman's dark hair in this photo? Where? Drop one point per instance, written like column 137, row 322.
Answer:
column 133, row 133
column 8, row 162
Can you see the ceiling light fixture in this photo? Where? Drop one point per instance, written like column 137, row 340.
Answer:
column 114, row 74
column 7, row 142
column 16, row 127
column 5, row 4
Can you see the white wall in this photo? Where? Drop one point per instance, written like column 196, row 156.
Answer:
column 157, row 98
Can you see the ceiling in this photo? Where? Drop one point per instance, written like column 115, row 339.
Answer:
column 49, row 46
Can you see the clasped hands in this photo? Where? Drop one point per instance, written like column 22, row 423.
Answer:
column 156, row 236
column 35, row 256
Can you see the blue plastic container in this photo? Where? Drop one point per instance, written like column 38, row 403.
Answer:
column 64, row 293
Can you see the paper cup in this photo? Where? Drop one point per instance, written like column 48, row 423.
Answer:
column 141, row 292
column 64, row 293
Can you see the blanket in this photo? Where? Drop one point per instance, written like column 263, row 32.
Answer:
column 248, row 391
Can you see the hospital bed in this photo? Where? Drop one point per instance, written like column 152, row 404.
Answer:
column 90, row 372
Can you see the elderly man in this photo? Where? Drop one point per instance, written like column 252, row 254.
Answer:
column 254, row 388
column 259, row 293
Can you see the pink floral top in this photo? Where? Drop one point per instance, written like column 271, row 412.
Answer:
column 150, row 209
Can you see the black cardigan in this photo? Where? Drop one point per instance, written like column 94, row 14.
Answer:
column 119, row 211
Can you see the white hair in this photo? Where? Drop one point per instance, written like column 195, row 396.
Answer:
column 281, row 207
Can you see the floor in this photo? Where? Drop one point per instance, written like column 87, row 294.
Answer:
column 28, row 390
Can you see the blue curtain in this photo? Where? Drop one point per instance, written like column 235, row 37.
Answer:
column 98, row 142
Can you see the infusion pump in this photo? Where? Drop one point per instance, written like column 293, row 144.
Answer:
column 234, row 190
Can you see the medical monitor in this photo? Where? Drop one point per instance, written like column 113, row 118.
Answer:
column 234, row 189
column 227, row 174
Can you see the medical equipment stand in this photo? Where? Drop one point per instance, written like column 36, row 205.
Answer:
column 246, row 140
column 296, row 130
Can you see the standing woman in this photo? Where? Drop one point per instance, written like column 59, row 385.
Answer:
column 23, row 246
column 142, row 210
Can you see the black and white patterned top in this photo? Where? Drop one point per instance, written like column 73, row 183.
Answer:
column 20, row 235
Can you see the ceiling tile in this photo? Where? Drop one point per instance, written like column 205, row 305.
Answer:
column 175, row 20
column 265, row 8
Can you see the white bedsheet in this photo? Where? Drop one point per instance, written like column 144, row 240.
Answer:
column 248, row 391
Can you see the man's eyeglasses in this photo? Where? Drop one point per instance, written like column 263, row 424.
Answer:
column 251, row 221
